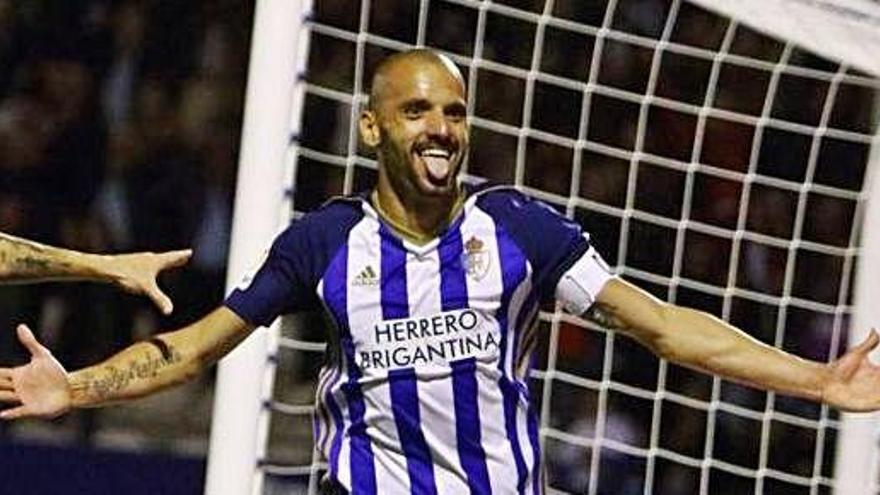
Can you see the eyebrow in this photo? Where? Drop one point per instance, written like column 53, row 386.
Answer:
column 419, row 103
column 456, row 106
column 424, row 103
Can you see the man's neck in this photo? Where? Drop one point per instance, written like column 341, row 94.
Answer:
column 420, row 220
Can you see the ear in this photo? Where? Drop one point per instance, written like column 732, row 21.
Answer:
column 368, row 125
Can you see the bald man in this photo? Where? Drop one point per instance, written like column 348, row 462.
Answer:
column 433, row 289
column 24, row 261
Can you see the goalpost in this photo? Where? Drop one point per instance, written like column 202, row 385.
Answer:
column 262, row 202
column 723, row 155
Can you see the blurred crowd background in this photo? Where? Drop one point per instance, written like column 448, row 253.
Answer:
column 119, row 131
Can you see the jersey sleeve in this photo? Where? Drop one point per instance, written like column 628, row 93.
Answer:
column 282, row 284
column 554, row 245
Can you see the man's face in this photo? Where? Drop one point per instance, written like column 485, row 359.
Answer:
column 421, row 119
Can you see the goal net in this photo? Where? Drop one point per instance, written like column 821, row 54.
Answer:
column 720, row 155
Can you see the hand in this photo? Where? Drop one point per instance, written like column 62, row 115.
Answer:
column 854, row 382
column 40, row 388
column 137, row 272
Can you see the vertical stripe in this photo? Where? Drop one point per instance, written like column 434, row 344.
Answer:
column 405, row 397
column 438, row 424
column 435, row 396
column 395, row 302
column 364, row 312
column 363, row 472
column 536, row 449
column 528, row 317
column 522, row 423
column 337, row 436
column 453, row 284
column 467, row 420
column 454, row 295
column 320, row 419
column 335, row 416
column 323, row 399
column 404, row 389
column 526, row 330
column 513, row 273
column 326, row 379
column 518, row 304
column 511, row 403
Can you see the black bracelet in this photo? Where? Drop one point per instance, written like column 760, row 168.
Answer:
column 163, row 347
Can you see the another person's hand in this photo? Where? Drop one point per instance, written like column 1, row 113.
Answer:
column 38, row 389
column 137, row 272
column 854, row 381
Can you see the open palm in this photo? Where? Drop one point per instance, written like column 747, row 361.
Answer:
column 854, row 384
column 37, row 389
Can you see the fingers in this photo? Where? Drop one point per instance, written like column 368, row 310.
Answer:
column 173, row 259
column 15, row 413
column 26, row 337
column 160, row 299
column 8, row 396
column 869, row 344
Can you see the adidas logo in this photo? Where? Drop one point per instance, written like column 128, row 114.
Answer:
column 366, row 278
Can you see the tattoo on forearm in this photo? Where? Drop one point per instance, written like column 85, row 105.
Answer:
column 604, row 315
column 116, row 379
column 28, row 264
column 23, row 258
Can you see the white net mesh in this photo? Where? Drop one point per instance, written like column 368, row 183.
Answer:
column 718, row 167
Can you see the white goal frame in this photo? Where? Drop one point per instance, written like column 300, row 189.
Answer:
column 245, row 376
column 272, row 115
column 858, row 447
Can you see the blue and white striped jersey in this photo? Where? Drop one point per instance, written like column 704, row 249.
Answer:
column 425, row 391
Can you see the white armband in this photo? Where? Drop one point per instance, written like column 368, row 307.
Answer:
column 578, row 287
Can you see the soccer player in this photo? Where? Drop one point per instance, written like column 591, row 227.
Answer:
column 24, row 261
column 433, row 289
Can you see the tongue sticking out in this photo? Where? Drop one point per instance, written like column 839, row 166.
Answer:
column 438, row 167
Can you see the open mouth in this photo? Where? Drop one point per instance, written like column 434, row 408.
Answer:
column 438, row 163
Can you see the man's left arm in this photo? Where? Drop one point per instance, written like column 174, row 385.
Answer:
column 703, row 342
column 24, row 261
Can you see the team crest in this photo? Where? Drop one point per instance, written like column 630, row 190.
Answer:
column 476, row 258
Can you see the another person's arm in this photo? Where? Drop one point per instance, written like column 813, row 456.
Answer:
column 23, row 261
column 700, row 341
column 42, row 388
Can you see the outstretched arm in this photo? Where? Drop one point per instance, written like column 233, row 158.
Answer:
column 42, row 388
column 700, row 341
column 22, row 260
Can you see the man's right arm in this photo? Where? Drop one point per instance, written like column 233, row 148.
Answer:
column 42, row 388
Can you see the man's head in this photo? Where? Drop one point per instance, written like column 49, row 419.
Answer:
column 417, row 122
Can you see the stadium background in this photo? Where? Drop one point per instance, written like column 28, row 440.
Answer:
column 119, row 128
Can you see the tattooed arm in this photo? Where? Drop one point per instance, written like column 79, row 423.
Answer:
column 42, row 388
column 22, row 260
column 700, row 341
